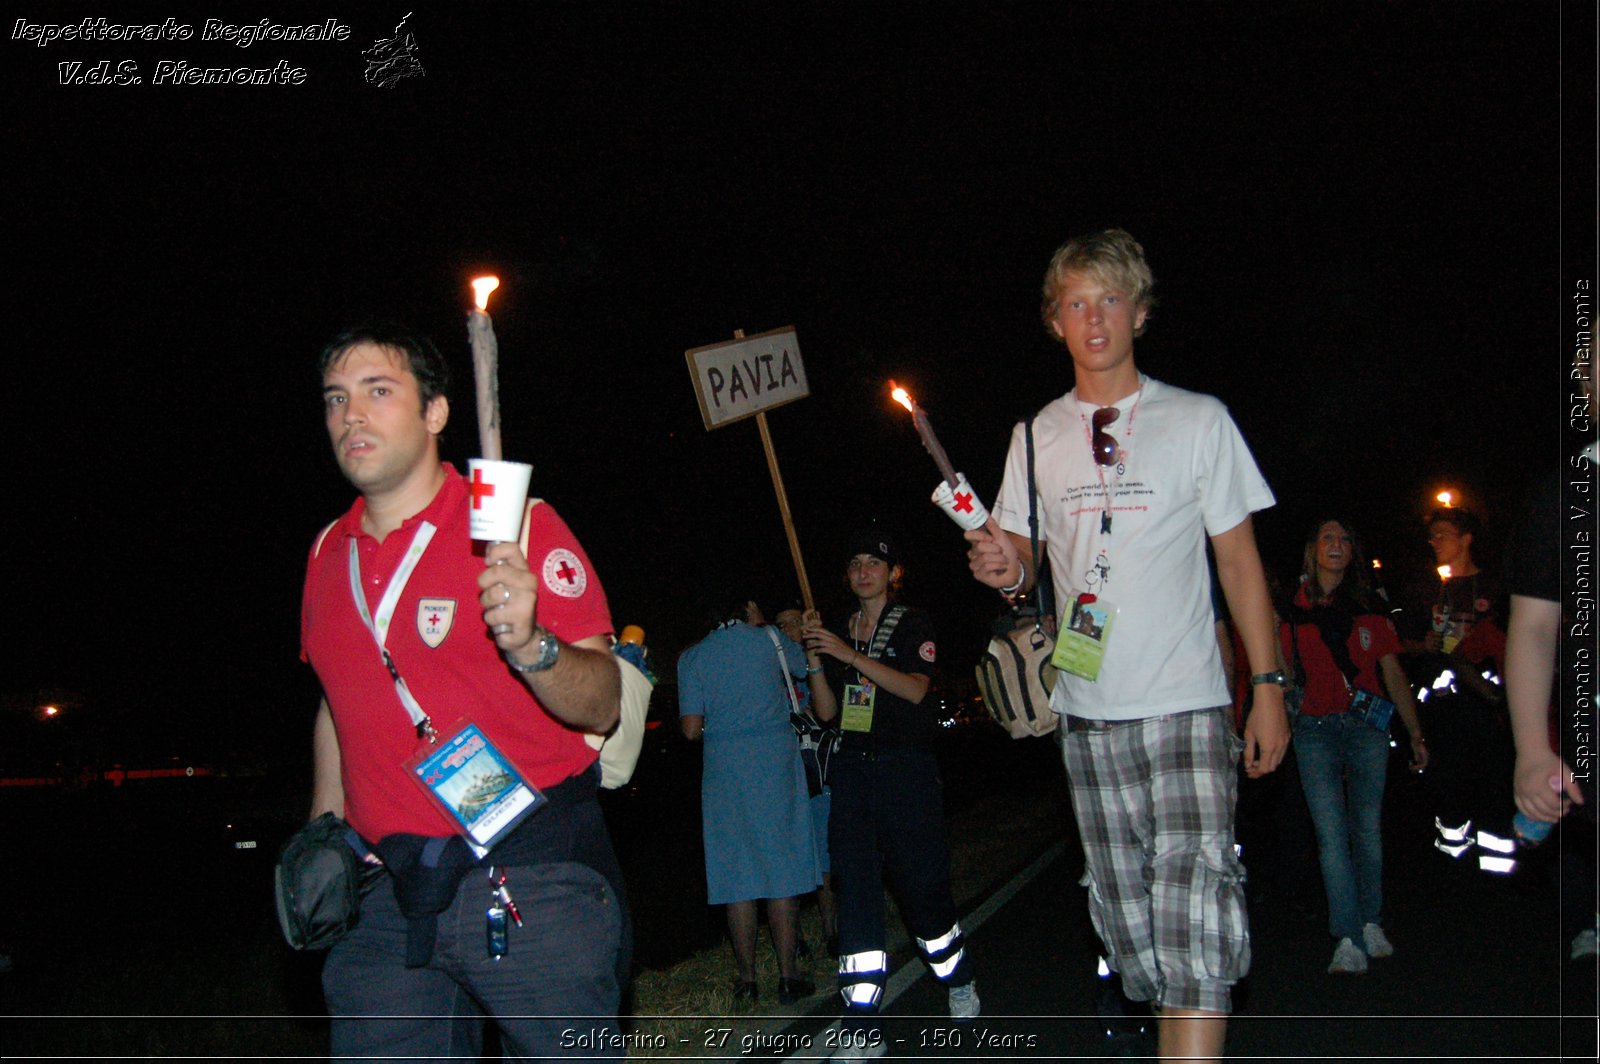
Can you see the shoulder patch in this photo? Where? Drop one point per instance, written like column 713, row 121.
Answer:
column 563, row 573
column 927, row 651
column 1365, row 635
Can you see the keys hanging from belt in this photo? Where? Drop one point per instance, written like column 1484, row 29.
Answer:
column 502, row 893
column 497, row 939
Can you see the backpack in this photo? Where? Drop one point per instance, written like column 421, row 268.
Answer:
column 619, row 749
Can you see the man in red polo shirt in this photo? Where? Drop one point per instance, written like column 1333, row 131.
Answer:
column 445, row 636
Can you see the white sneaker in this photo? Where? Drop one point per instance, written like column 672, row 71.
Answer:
column 1348, row 959
column 1377, row 943
column 964, row 1004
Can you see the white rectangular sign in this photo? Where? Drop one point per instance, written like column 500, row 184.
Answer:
column 738, row 378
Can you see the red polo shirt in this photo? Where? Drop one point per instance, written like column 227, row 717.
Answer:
column 443, row 650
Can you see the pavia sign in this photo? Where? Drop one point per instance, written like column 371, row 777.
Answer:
column 739, row 378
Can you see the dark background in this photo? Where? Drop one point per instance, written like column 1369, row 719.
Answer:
column 1365, row 220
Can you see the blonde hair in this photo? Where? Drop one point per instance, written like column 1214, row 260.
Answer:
column 1113, row 258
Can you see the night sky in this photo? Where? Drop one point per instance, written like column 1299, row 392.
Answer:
column 1365, row 221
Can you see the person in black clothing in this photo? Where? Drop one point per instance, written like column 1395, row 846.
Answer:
column 1553, row 780
column 888, row 806
column 1456, row 626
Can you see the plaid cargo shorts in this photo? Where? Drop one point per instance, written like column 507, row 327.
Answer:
column 1154, row 799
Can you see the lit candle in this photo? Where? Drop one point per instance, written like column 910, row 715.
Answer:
column 1446, row 499
column 953, row 495
column 1445, row 574
column 485, row 366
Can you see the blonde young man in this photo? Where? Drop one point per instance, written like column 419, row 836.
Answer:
column 1133, row 476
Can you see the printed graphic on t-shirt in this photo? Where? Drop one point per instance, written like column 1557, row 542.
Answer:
column 1127, row 496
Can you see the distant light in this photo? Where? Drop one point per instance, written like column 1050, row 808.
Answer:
column 51, row 711
column 1376, row 564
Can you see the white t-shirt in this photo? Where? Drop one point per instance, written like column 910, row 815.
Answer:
column 1187, row 474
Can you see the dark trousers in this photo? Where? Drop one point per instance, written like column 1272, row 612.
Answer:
column 1470, row 758
column 887, row 823
column 554, row 995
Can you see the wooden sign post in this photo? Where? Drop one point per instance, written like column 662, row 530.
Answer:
column 746, row 377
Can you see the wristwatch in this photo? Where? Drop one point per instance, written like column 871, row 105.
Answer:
column 549, row 650
column 1280, row 678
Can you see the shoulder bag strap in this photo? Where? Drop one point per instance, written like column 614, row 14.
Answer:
column 1033, row 525
column 783, row 672
column 886, row 624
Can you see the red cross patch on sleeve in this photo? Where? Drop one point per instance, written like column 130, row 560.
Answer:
column 927, row 651
column 563, row 573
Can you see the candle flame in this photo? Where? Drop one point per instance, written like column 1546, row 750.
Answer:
column 1444, row 572
column 1446, row 499
column 481, row 287
column 1376, row 564
column 901, row 396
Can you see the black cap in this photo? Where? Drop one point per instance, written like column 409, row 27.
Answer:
column 873, row 541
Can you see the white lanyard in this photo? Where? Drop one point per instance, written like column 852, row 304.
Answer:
column 386, row 607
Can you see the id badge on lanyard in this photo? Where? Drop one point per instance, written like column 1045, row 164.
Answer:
column 859, row 699
column 477, row 786
column 1081, row 643
column 466, row 775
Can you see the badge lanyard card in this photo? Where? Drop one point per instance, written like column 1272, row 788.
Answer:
column 860, row 698
column 467, row 776
column 1081, row 642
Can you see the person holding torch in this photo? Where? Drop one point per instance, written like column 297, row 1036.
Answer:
column 420, row 637
column 1133, row 477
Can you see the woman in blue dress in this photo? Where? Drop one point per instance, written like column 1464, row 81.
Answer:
column 733, row 690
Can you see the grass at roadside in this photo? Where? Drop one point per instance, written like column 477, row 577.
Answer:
column 989, row 842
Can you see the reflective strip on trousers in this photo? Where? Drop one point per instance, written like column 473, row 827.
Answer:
column 864, row 963
column 942, row 943
column 943, row 969
column 862, row 995
column 874, row 965
column 948, row 943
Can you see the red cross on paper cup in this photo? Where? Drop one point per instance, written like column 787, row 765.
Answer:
column 497, row 494
column 961, row 503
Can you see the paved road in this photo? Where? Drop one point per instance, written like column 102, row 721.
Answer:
column 1480, row 972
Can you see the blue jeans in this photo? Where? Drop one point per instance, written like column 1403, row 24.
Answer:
column 1343, row 763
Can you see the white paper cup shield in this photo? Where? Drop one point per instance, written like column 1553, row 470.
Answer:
column 961, row 503
column 497, row 494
